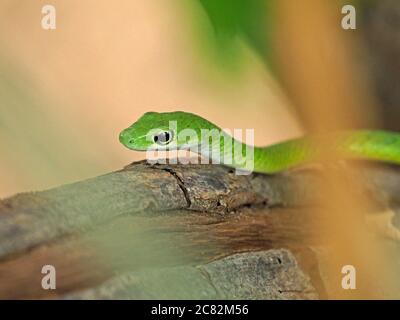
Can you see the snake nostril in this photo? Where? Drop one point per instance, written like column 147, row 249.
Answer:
column 130, row 141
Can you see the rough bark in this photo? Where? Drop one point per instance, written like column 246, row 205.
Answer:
column 171, row 231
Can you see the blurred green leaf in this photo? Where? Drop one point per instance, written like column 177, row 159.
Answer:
column 252, row 20
column 249, row 19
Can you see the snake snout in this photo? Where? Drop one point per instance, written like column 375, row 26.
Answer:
column 125, row 138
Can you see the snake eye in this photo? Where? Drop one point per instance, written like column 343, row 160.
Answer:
column 163, row 138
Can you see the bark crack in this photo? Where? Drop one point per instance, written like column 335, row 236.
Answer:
column 181, row 185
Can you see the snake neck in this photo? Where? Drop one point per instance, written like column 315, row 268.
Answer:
column 233, row 153
column 358, row 144
column 283, row 156
column 372, row 145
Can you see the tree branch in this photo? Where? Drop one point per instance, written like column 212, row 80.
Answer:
column 107, row 236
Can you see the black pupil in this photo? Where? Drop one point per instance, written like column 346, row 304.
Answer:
column 162, row 137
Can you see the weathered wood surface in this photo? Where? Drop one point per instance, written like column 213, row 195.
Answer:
column 171, row 231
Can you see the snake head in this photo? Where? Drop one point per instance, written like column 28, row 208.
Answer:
column 159, row 131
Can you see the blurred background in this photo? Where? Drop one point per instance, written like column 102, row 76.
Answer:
column 65, row 94
column 283, row 68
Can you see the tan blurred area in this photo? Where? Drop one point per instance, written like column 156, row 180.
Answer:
column 324, row 78
column 65, row 94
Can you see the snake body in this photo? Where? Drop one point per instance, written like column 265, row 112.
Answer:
column 168, row 131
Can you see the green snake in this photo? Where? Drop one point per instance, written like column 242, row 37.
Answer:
column 153, row 131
